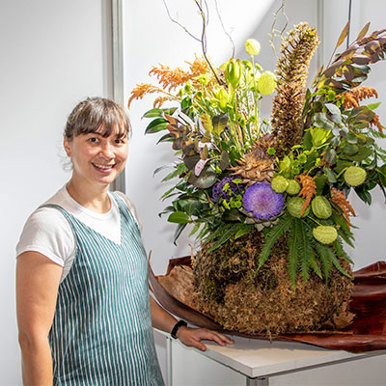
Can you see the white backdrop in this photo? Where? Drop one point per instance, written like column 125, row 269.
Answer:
column 53, row 54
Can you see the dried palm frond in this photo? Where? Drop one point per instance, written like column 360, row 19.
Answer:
column 292, row 70
column 338, row 197
column 308, row 190
column 353, row 97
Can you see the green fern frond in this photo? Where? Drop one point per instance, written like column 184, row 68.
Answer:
column 294, row 250
column 271, row 236
column 314, row 264
column 338, row 266
column 340, row 252
column 325, row 255
column 343, row 229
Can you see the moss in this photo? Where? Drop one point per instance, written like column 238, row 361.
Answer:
column 229, row 288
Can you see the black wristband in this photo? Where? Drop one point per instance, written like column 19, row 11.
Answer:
column 179, row 324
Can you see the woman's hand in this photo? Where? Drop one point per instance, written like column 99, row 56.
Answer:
column 193, row 336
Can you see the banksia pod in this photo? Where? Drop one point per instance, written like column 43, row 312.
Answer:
column 292, row 70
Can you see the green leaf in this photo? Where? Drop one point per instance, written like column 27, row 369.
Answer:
column 179, row 218
column 373, row 106
column 195, row 229
column 156, row 125
column 178, row 232
column 324, row 253
column 204, row 181
column 153, row 113
column 382, row 174
column 206, row 122
column 245, row 229
column 225, row 237
column 330, row 175
column 219, row 122
column 271, row 236
column 225, row 161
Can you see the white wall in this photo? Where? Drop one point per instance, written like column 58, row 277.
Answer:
column 53, row 54
column 151, row 38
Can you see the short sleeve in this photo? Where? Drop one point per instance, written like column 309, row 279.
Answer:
column 131, row 207
column 49, row 233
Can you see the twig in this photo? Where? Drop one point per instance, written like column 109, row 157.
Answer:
column 273, row 30
column 179, row 24
column 203, row 39
column 225, row 31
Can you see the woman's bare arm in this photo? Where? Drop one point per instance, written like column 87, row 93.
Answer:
column 37, row 282
column 189, row 336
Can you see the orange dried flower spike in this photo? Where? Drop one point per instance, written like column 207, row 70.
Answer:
column 338, row 197
column 353, row 97
column 308, row 190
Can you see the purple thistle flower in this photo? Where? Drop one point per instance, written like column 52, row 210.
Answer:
column 263, row 201
column 218, row 189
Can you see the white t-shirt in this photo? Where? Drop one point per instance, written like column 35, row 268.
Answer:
column 48, row 232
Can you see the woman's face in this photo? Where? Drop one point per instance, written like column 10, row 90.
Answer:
column 96, row 159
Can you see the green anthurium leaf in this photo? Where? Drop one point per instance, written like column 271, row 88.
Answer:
column 179, row 218
column 153, row 113
column 156, row 125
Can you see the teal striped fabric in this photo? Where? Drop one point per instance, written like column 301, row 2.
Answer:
column 102, row 332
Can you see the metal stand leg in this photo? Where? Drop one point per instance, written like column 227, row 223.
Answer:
column 169, row 363
column 260, row 381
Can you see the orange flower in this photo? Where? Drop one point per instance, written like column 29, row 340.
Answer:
column 338, row 197
column 308, row 190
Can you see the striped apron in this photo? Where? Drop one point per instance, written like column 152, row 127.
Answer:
column 101, row 332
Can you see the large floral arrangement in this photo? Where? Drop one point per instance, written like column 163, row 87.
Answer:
column 268, row 200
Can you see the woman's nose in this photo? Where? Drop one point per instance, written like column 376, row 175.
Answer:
column 107, row 150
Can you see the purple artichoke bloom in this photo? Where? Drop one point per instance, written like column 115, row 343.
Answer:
column 263, row 201
column 218, row 189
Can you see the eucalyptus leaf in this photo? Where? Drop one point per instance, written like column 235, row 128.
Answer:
column 190, row 162
column 330, row 175
column 225, row 161
column 330, row 156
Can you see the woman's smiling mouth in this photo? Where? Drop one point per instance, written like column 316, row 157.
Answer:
column 101, row 167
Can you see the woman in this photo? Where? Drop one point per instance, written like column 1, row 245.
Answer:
column 84, row 312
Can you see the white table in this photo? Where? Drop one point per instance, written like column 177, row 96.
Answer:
column 258, row 360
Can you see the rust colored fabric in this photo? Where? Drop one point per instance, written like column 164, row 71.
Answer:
column 368, row 302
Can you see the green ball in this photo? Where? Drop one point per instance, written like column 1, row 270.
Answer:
column 325, row 234
column 279, row 184
column 294, row 207
column 321, row 207
column 354, row 175
column 266, row 83
column 293, row 187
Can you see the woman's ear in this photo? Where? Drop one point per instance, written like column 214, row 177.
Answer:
column 67, row 146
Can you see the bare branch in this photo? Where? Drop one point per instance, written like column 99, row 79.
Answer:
column 179, row 24
column 225, row 31
column 274, row 31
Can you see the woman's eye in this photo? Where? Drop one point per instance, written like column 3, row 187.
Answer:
column 119, row 141
column 93, row 139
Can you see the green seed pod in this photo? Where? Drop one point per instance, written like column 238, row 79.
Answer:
column 293, row 187
column 354, row 175
column 294, row 207
column 233, row 72
column 279, row 184
column 325, row 234
column 321, row 207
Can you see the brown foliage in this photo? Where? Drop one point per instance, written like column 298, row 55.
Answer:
column 338, row 197
column 308, row 190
